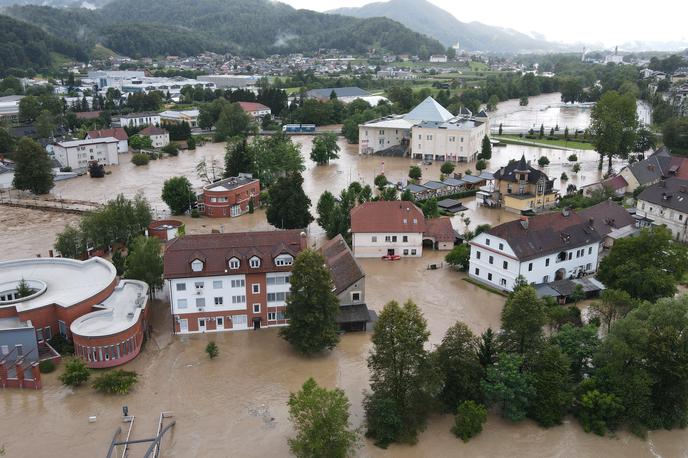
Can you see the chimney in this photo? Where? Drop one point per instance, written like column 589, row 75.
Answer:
column 524, row 222
column 303, row 240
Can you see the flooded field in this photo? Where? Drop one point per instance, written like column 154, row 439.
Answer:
column 236, row 405
column 548, row 109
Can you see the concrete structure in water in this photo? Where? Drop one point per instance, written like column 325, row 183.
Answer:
column 79, row 300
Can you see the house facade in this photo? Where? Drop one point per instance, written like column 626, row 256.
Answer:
column 665, row 204
column 117, row 132
column 255, row 110
column 542, row 249
column 77, row 154
column 519, row 187
column 229, row 197
column 139, row 120
column 387, row 228
column 232, row 281
column 159, row 137
column 177, row 117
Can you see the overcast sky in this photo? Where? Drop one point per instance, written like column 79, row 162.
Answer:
column 609, row 22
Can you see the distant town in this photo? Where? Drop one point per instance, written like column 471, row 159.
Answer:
column 405, row 249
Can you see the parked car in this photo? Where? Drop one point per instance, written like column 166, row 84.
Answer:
column 391, row 257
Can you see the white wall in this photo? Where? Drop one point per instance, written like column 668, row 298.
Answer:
column 378, row 138
column 78, row 157
column 455, row 144
column 541, row 268
column 365, row 247
column 674, row 220
column 208, row 292
column 152, row 120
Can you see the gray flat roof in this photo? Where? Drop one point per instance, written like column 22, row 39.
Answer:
column 67, row 281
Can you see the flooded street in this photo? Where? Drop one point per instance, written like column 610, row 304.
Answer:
column 236, row 405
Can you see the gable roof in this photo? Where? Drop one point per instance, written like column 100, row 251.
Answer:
column 152, row 130
column 546, row 234
column 607, row 216
column 250, row 107
column 217, row 249
column 343, row 265
column 116, row 132
column 671, row 193
column 508, row 173
column 440, row 229
column 429, row 110
column 653, row 168
column 387, row 216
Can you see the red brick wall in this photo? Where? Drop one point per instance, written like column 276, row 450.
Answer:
column 259, row 298
column 239, row 196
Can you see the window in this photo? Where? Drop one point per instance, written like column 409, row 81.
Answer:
column 487, row 242
column 181, row 303
column 489, row 277
column 217, row 284
column 406, row 251
column 545, row 279
column 181, row 286
column 530, row 267
column 388, row 238
column 234, row 263
column 590, row 250
column 394, row 238
column 271, row 316
column 355, row 297
column 491, row 260
column 220, row 322
column 197, row 265
column 256, row 308
column 477, row 255
column 413, row 252
column 239, row 299
column 501, row 246
column 218, row 301
column 374, row 239
column 477, row 271
column 502, row 282
column 39, row 334
column 546, row 262
column 47, row 333
column 199, row 285
column 282, row 280
column 404, row 238
column 62, row 327
column 254, row 262
column 284, row 260
column 238, row 283
column 588, row 267
column 429, row 137
column 505, row 265
column 200, row 302
column 255, row 288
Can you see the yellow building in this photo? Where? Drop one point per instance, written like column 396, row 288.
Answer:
column 519, row 187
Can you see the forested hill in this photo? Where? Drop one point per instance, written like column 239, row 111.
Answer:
column 255, row 27
column 28, row 47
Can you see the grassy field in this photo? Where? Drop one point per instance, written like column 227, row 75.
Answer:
column 561, row 143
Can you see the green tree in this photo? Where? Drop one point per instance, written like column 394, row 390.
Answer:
column 647, row 266
column 552, row 386
column 645, row 140
column 486, row 149
column 144, row 262
column 29, row 108
column 178, row 194
column 506, row 385
column 459, row 257
column 613, row 125
column 523, row 317
column 76, row 373
column 238, row 158
column 447, row 168
column 523, row 101
column 70, row 242
column 23, row 289
column 415, row 172
column 675, row 134
column 212, row 350
column 599, row 412
column 481, row 165
column 321, row 421
column 32, row 168
column 459, row 367
column 139, row 142
column 576, row 168
column 579, row 344
column 45, row 124
column 613, row 305
column 139, row 159
column 572, row 158
column 288, row 203
column 388, row 193
column 402, row 380
column 118, row 262
column 7, row 141
column 543, row 161
column 380, row 182
column 325, row 148
column 469, row 420
column 492, row 103
column 312, row 306
column 115, row 382
column 542, row 130
column 273, row 157
column 487, row 348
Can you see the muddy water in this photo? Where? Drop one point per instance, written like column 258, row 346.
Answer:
column 236, row 405
column 549, row 110
column 27, row 233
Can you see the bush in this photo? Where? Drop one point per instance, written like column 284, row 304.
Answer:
column 61, row 345
column 447, row 168
column 576, row 168
column 46, row 366
column 212, row 350
column 195, row 214
column 65, row 169
column 573, row 158
column 564, row 176
column 76, row 373
column 115, row 382
column 191, row 143
column 469, row 420
column 172, row 149
column 543, row 161
column 140, row 159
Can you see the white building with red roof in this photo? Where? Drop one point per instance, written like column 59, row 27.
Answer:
column 116, row 132
column 256, row 110
column 159, row 136
column 387, row 228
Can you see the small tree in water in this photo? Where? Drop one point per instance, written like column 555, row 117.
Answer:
column 469, row 420
column 212, row 350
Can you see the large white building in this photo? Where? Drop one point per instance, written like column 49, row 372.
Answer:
column 139, row 120
column 78, row 154
column 665, row 204
column 428, row 132
column 542, row 249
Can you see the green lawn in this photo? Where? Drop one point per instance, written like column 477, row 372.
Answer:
column 560, row 143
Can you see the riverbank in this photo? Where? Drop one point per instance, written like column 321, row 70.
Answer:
column 560, row 144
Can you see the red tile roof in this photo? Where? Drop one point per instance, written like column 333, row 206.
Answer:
column 87, row 114
column 615, row 183
column 215, row 250
column 117, row 132
column 251, row 107
column 387, row 216
column 152, row 130
column 343, row 266
column 440, row 229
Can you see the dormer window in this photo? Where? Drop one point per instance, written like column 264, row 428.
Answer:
column 234, row 263
column 254, row 262
column 284, row 260
column 197, row 265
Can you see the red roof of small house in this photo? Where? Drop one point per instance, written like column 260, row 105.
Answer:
column 251, row 107
column 615, row 183
column 87, row 114
column 440, row 229
column 116, row 132
column 387, row 216
column 152, row 130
